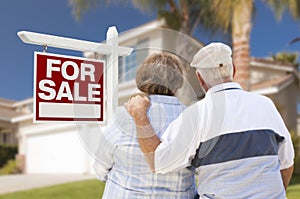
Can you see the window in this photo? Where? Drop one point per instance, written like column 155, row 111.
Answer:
column 5, row 137
column 129, row 64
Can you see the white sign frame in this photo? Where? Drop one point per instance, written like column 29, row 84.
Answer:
column 67, row 108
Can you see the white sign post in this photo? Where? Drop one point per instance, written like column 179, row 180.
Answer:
column 112, row 51
column 112, row 70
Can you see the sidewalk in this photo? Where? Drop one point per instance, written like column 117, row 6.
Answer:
column 12, row 183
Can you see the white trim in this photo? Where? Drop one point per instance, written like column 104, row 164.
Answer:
column 272, row 66
column 21, row 118
column 141, row 30
column 23, row 102
column 5, row 119
column 274, row 89
column 47, row 128
column 266, row 91
column 16, row 104
column 17, row 118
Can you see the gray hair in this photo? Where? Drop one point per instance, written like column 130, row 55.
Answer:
column 160, row 73
column 214, row 76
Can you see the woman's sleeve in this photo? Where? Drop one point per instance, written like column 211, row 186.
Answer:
column 104, row 155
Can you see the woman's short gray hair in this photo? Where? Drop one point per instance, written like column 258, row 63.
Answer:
column 160, row 73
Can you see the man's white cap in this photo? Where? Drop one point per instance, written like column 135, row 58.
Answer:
column 213, row 55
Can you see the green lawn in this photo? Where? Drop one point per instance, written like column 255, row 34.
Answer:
column 293, row 191
column 75, row 190
column 90, row 189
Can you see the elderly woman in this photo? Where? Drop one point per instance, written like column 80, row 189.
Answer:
column 119, row 160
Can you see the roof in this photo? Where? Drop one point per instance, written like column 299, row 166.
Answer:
column 13, row 111
column 273, row 86
column 6, row 102
column 134, row 33
column 141, row 30
column 268, row 63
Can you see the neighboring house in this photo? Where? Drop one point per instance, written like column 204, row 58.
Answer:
column 280, row 82
column 12, row 115
column 57, row 147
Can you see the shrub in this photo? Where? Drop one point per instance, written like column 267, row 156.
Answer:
column 10, row 168
column 7, row 152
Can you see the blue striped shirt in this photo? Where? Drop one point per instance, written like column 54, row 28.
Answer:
column 122, row 165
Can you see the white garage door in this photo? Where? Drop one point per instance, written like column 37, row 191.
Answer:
column 56, row 153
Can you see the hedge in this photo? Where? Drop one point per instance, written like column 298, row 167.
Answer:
column 7, row 152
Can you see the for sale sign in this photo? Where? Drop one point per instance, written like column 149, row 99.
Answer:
column 68, row 88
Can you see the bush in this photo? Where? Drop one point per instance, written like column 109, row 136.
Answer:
column 7, row 152
column 296, row 142
column 10, row 168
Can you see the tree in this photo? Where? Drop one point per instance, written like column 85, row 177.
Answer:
column 286, row 58
column 232, row 17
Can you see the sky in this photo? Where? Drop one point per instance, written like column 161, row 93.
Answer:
column 55, row 17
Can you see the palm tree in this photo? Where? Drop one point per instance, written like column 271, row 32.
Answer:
column 229, row 16
column 235, row 17
column 286, row 58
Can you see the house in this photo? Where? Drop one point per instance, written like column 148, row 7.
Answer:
column 150, row 38
column 68, row 148
column 12, row 115
column 280, row 82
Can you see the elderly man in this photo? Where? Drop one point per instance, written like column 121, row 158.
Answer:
column 236, row 139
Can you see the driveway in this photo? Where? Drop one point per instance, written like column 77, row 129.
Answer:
column 12, row 183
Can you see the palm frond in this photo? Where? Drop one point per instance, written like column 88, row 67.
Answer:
column 280, row 6
column 79, row 7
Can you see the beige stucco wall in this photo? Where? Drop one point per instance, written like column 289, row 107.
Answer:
column 259, row 74
column 286, row 101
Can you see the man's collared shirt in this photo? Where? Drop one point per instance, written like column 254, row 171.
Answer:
column 236, row 139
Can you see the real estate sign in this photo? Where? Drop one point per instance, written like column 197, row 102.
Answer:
column 68, row 88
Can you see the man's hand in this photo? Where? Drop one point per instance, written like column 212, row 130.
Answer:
column 137, row 107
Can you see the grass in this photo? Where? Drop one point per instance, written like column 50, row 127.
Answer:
column 93, row 189
column 293, row 191
column 295, row 179
column 75, row 190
